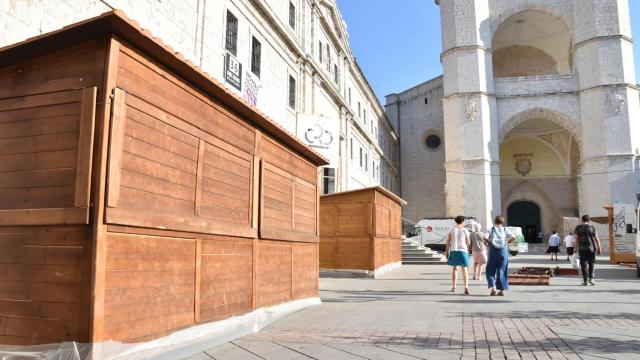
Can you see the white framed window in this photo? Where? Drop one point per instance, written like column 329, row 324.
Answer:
column 256, row 49
column 328, row 180
column 292, row 15
column 351, row 149
column 292, row 93
column 231, row 40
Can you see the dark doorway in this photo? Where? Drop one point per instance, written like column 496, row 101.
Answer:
column 526, row 215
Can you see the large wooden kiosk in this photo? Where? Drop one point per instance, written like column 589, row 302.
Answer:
column 138, row 196
column 361, row 230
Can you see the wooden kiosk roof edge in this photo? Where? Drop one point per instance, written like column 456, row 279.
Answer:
column 116, row 22
column 386, row 192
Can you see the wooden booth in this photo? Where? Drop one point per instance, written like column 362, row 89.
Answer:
column 138, row 196
column 360, row 230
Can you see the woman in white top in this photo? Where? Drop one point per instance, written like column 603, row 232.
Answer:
column 458, row 243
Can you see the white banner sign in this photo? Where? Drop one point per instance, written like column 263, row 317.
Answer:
column 322, row 134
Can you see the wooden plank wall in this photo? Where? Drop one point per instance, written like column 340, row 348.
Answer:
column 359, row 230
column 388, row 232
column 47, row 109
column 187, row 180
column 346, row 223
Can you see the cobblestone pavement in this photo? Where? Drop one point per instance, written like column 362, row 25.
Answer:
column 410, row 314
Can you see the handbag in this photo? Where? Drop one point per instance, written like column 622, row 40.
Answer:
column 575, row 261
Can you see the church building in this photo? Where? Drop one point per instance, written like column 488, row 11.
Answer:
column 536, row 116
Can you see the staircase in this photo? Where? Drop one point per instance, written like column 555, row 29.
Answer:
column 414, row 254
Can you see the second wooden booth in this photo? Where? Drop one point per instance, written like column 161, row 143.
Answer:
column 138, row 196
column 361, row 230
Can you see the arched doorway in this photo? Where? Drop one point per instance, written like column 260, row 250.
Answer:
column 526, row 215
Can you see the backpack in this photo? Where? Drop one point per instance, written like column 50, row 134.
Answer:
column 587, row 234
column 498, row 240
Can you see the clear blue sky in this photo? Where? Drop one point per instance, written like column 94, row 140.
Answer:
column 397, row 42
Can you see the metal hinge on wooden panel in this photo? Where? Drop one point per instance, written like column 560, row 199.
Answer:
column 116, row 141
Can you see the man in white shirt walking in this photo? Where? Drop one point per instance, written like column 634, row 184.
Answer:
column 569, row 243
column 554, row 245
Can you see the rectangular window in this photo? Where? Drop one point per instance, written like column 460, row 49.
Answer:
column 231, row 43
column 256, row 49
column 335, row 74
column 351, row 149
column 292, row 15
column 359, row 110
column 364, row 116
column 349, row 97
column 361, row 157
column 366, row 162
column 328, row 180
column 292, row 92
column 320, row 51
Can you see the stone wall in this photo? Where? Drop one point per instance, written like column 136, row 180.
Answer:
column 419, row 114
column 517, row 60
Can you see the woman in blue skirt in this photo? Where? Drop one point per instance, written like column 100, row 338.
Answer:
column 498, row 240
column 458, row 243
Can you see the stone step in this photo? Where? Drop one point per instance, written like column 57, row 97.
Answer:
column 423, row 262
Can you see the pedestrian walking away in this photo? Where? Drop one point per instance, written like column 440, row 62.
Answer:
column 478, row 249
column 498, row 239
column 458, row 243
column 569, row 242
column 588, row 245
column 554, row 245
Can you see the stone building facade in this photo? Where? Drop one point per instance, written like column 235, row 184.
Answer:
column 538, row 114
column 289, row 58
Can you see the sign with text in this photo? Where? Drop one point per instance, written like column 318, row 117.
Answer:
column 322, row 134
column 623, row 230
column 233, row 72
column 251, row 88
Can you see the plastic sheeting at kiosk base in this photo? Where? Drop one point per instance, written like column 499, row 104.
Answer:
column 177, row 345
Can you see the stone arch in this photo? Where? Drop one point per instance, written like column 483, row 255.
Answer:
column 498, row 19
column 550, row 215
column 528, row 39
column 573, row 127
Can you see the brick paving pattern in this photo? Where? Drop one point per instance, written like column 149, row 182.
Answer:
column 410, row 314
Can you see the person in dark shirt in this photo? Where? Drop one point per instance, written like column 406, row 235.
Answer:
column 588, row 245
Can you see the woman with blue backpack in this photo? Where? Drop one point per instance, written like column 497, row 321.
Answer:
column 498, row 240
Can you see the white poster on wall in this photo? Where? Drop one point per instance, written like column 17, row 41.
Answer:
column 322, row 134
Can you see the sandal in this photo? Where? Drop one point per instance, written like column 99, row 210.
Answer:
column 453, row 290
column 466, row 291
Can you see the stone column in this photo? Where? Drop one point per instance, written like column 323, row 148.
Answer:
column 470, row 124
column 609, row 104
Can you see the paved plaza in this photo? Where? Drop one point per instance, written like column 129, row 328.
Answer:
column 409, row 314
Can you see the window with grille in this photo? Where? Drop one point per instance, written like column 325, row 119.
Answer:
column 256, row 49
column 292, row 92
column 231, row 43
column 292, row 15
